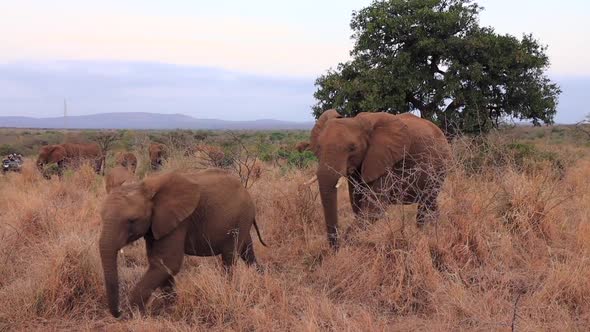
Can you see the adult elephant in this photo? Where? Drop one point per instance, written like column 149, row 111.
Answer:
column 177, row 214
column 127, row 160
column 67, row 154
column 393, row 159
column 158, row 153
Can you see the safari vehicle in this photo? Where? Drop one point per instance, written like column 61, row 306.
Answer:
column 12, row 163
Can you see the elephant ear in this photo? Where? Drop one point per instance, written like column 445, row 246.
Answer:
column 388, row 143
column 175, row 197
column 319, row 126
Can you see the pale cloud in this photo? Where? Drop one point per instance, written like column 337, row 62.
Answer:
column 232, row 43
column 261, row 36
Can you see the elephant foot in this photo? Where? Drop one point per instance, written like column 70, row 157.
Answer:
column 117, row 313
column 334, row 243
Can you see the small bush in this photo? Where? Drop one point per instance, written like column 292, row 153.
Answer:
column 277, row 136
column 301, row 159
column 478, row 155
column 5, row 149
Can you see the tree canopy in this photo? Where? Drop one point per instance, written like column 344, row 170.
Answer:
column 432, row 56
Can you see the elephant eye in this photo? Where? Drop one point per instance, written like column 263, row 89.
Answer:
column 351, row 147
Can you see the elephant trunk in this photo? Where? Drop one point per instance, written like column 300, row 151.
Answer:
column 327, row 179
column 108, row 254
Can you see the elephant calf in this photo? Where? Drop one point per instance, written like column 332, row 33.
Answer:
column 127, row 160
column 204, row 213
column 117, row 176
column 158, row 153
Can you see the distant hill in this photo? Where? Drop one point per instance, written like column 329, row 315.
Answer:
column 147, row 121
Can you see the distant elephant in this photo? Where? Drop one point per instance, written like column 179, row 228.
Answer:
column 211, row 154
column 303, row 146
column 68, row 154
column 127, row 160
column 158, row 154
column 399, row 159
column 117, row 176
column 177, row 214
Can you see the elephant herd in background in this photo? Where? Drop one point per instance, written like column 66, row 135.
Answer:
column 386, row 159
column 71, row 154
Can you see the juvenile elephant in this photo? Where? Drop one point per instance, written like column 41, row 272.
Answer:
column 158, row 154
column 211, row 155
column 303, row 146
column 66, row 154
column 117, row 176
column 177, row 214
column 127, row 160
column 392, row 159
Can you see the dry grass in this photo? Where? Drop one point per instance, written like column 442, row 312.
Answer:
column 511, row 248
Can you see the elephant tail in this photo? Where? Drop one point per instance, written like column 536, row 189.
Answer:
column 258, row 233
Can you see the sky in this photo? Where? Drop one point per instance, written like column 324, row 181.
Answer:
column 267, row 53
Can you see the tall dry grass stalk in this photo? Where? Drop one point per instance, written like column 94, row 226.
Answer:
column 510, row 248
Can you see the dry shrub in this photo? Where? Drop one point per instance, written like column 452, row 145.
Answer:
column 242, row 300
column 525, row 205
column 70, row 280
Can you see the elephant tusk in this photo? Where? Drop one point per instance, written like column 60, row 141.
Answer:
column 312, row 180
column 340, row 182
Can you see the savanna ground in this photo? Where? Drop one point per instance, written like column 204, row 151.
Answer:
column 511, row 249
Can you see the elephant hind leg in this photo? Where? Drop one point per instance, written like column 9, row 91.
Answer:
column 248, row 256
column 228, row 258
column 247, row 252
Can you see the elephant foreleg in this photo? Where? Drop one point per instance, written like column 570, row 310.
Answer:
column 152, row 279
column 168, row 289
column 355, row 197
column 165, row 259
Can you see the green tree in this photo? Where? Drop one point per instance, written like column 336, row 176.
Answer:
column 432, row 56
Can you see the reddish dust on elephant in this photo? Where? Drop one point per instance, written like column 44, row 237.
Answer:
column 177, row 214
column 386, row 159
